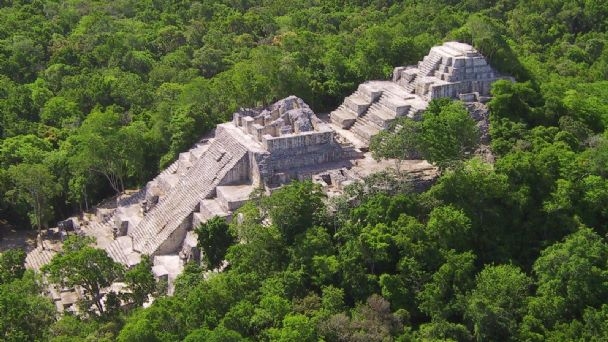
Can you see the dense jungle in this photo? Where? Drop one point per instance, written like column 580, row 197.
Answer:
column 99, row 96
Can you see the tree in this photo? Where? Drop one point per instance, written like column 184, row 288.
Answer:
column 35, row 185
column 219, row 334
column 483, row 196
column 261, row 249
column 11, row 265
column 570, row 276
column 377, row 247
column 449, row 133
column 372, row 321
column 449, row 228
column 25, row 313
column 105, row 146
column 59, row 111
column 214, row 238
column 296, row 327
column 27, row 148
column 138, row 331
column 162, row 321
column 401, row 141
column 270, row 312
column 79, row 264
column 294, row 208
column 498, row 302
column 514, row 101
column 140, row 281
column 444, row 296
column 442, row 331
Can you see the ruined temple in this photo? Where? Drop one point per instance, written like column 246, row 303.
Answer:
column 295, row 142
column 264, row 148
column 454, row 70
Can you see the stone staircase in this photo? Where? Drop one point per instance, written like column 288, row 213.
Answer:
column 38, row 257
column 365, row 128
column 172, row 215
column 179, row 204
column 343, row 117
column 410, row 87
column 357, row 103
column 380, row 115
column 370, row 109
column 429, row 63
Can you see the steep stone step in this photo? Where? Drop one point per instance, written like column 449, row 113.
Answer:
column 368, row 92
column 208, row 209
column 410, row 86
column 177, row 206
column 151, row 247
column 380, row 115
column 365, row 129
column 343, row 117
column 115, row 252
column 398, row 106
column 357, row 103
column 38, row 257
column 429, row 63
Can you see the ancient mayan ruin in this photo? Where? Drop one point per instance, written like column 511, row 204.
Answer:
column 266, row 148
column 453, row 70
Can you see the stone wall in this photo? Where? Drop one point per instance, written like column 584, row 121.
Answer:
column 296, row 141
column 174, row 241
column 239, row 173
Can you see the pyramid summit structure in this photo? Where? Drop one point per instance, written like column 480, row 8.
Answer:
column 453, row 70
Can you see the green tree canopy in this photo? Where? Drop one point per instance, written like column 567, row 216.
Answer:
column 79, row 264
column 448, row 134
column 214, row 238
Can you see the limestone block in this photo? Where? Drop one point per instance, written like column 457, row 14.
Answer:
column 175, row 238
column 258, row 131
column 468, row 97
column 133, row 259
column 396, row 74
column 238, row 173
column 236, row 119
column 343, row 118
column 233, row 197
column 356, row 104
column 247, row 123
column 410, row 74
column 382, row 119
column 286, row 129
column 160, row 272
column 483, row 69
column 197, row 219
column 479, row 61
column 372, row 94
column 275, row 113
column 398, row 106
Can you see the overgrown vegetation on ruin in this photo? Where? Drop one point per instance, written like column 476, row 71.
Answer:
column 98, row 96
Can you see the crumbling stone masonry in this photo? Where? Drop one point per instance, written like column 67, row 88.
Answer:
column 453, row 70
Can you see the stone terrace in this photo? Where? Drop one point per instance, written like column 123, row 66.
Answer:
column 454, row 70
